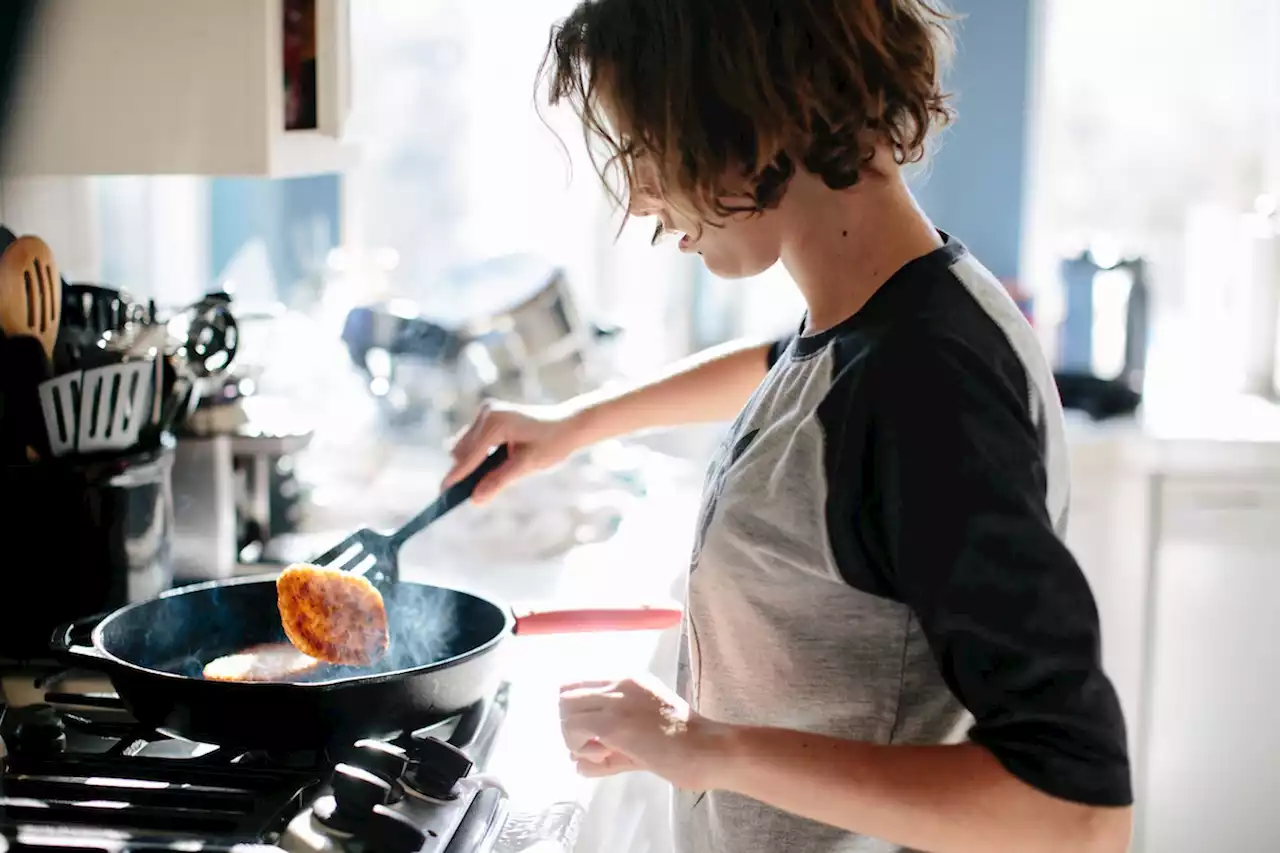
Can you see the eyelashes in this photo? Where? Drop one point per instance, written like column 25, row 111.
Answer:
column 660, row 233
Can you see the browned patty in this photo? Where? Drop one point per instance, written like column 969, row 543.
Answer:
column 332, row 615
column 267, row 662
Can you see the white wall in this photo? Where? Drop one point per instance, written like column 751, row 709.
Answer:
column 145, row 235
column 61, row 211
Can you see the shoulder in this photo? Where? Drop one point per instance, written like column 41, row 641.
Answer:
column 922, row 368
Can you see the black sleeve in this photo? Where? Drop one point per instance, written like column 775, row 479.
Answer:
column 962, row 528
column 777, row 348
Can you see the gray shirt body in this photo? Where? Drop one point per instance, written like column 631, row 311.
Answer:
column 861, row 566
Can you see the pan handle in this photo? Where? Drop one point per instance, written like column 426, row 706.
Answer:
column 596, row 619
column 72, row 639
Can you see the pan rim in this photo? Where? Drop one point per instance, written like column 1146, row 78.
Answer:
column 508, row 628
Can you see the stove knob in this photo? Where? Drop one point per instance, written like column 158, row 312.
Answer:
column 391, row 832
column 440, row 766
column 37, row 731
column 381, row 758
column 356, row 790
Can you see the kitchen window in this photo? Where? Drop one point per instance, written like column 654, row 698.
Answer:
column 455, row 166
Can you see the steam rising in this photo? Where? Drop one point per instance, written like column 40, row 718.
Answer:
column 181, row 633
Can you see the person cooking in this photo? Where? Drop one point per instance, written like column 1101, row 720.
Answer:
column 886, row 646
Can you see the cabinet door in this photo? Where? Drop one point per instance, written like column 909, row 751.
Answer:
column 1107, row 533
column 147, row 87
column 1213, row 757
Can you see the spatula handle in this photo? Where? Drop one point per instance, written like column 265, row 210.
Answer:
column 457, row 494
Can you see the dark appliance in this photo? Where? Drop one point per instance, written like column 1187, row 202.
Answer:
column 82, row 774
column 1102, row 346
column 1111, row 298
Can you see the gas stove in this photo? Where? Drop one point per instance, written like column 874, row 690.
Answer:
column 81, row 774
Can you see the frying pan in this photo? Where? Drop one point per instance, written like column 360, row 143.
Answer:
column 444, row 657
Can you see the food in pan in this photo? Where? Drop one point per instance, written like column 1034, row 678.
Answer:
column 266, row 662
column 332, row 615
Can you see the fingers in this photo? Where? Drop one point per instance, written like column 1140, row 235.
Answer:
column 579, row 687
column 610, row 765
column 592, row 750
column 471, row 448
column 593, row 758
column 497, row 480
column 587, row 721
column 581, row 728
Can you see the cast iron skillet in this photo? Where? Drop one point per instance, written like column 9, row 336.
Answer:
column 443, row 658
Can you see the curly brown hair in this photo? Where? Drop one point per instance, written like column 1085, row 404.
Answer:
column 705, row 89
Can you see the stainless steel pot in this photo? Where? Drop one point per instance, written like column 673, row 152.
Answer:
column 509, row 328
column 526, row 338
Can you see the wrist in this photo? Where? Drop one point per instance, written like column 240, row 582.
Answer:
column 716, row 750
column 589, row 419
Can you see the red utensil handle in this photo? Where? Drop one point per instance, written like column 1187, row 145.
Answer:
column 597, row 619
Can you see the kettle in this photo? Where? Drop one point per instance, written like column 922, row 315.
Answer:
column 1106, row 322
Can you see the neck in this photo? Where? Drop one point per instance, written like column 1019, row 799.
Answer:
column 839, row 246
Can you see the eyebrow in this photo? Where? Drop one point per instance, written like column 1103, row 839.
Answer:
column 657, row 234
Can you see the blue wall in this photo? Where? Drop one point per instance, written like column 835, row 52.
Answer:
column 244, row 208
column 972, row 184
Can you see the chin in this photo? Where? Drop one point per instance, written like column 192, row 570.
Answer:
column 734, row 267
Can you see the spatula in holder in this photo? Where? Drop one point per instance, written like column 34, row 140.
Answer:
column 96, row 410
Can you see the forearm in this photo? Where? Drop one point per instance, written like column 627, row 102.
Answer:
column 709, row 386
column 944, row 799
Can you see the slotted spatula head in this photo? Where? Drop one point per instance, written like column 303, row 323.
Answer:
column 30, row 291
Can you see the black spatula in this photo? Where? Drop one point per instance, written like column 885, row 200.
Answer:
column 376, row 555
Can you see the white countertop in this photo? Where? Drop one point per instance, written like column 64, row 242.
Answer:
column 1203, row 433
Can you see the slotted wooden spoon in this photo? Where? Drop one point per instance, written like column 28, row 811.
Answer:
column 30, row 292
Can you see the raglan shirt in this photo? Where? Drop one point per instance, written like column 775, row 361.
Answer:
column 880, row 557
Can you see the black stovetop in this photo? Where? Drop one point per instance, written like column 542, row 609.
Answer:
column 78, row 763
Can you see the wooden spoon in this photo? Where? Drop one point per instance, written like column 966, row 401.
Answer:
column 30, row 292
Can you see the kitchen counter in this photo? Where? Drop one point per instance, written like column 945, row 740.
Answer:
column 1196, row 433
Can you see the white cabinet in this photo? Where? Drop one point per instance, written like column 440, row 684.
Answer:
column 192, row 87
column 1108, row 534
column 1213, row 743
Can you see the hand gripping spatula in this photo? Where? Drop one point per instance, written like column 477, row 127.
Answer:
column 376, row 555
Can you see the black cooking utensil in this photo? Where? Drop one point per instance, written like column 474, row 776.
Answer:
column 213, row 336
column 96, row 309
column 376, row 555
column 23, row 366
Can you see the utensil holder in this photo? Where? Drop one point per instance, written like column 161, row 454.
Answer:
column 100, row 536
